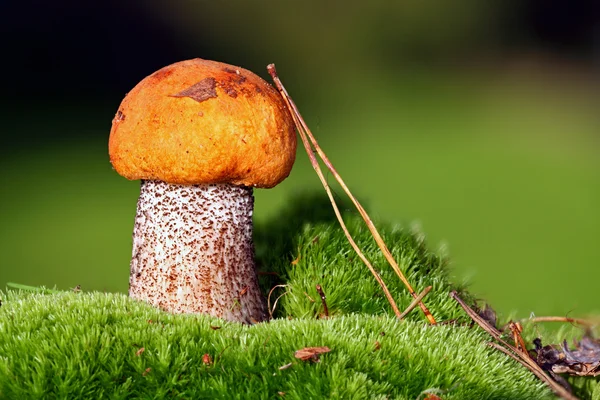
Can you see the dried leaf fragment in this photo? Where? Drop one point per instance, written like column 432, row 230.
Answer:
column 584, row 360
column 297, row 259
column 587, row 352
column 140, row 351
column 488, row 314
column 200, row 91
column 207, row 359
column 311, row 353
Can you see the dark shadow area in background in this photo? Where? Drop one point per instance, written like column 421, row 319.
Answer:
column 67, row 49
column 68, row 64
column 67, row 53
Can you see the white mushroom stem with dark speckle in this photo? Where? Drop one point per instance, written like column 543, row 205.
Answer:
column 193, row 251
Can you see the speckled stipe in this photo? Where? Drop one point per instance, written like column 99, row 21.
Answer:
column 193, row 251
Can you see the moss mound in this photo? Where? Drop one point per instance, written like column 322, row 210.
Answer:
column 103, row 345
column 88, row 346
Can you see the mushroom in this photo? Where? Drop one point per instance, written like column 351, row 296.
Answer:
column 200, row 135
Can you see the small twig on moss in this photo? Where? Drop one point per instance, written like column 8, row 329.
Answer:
column 520, row 356
column 322, row 295
column 516, row 330
column 272, row 310
column 310, row 298
column 415, row 302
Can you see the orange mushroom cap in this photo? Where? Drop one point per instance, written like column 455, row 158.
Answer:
column 201, row 121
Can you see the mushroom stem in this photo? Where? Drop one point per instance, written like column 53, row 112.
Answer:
column 193, row 251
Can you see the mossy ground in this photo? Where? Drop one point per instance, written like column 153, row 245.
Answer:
column 88, row 345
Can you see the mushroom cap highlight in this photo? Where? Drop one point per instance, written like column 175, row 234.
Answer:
column 200, row 121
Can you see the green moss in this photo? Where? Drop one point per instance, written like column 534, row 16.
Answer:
column 87, row 345
column 306, row 247
column 84, row 345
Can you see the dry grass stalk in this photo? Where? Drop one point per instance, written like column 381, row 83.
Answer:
column 578, row 321
column 272, row 310
column 309, row 142
column 415, row 302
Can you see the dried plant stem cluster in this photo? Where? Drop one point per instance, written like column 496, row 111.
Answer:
column 518, row 352
column 311, row 146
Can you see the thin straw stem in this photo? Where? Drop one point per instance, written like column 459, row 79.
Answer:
column 415, row 302
column 306, row 135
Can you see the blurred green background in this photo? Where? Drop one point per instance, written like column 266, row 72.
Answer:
column 476, row 120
